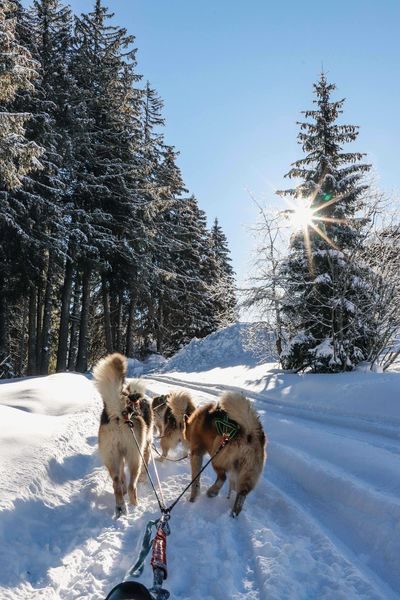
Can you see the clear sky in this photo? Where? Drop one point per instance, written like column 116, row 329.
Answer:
column 235, row 74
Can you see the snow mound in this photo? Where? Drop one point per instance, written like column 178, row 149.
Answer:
column 137, row 367
column 239, row 344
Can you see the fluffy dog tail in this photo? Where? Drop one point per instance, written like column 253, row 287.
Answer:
column 136, row 386
column 109, row 374
column 181, row 404
column 239, row 409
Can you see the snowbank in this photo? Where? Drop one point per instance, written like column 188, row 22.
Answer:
column 239, row 344
column 137, row 368
column 323, row 521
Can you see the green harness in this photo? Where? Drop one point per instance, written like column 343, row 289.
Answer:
column 225, row 426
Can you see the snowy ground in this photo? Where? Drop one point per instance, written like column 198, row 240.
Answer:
column 323, row 523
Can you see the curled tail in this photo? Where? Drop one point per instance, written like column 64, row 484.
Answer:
column 239, row 409
column 109, row 374
column 136, row 386
column 181, row 404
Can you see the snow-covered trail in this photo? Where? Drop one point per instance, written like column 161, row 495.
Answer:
column 345, row 475
column 316, row 527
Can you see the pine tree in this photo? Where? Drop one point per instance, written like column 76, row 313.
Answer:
column 324, row 288
column 189, row 309
column 105, row 191
column 223, row 280
column 18, row 71
column 48, row 191
column 18, row 156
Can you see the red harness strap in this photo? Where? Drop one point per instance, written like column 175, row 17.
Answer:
column 159, row 555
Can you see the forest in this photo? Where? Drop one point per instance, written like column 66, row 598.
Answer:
column 102, row 247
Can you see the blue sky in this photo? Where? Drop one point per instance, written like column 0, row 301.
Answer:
column 234, row 76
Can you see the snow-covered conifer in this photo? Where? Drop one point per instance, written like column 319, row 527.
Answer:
column 324, row 287
column 18, row 156
column 223, row 284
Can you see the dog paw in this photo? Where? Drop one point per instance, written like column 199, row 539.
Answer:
column 212, row 493
column 120, row 509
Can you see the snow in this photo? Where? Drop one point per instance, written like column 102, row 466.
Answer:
column 238, row 344
column 137, row 368
column 323, row 522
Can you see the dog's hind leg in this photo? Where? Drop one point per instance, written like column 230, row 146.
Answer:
column 219, row 482
column 120, row 506
column 122, row 477
column 245, row 483
column 146, row 456
column 237, row 507
column 134, row 472
column 165, row 447
column 196, row 461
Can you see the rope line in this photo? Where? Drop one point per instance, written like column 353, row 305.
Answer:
column 157, row 477
column 170, row 459
column 161, row 505
column 223, row 444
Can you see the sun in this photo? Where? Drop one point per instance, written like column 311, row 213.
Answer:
column 301, row 215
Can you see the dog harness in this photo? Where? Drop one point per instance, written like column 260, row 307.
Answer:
column 225, row 426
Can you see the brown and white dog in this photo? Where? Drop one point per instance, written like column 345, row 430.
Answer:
column 139, row 405
column 243, row 457
column 170, row 411
column 116, row 442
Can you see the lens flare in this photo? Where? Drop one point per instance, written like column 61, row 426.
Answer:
column 301, row 215
column 304, row 215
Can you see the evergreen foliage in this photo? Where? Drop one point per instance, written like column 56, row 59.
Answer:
column 223, row 283
column 325, row 289
column 18, row 155
column 101, row 248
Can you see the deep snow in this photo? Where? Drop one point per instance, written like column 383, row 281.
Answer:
column 323, row 523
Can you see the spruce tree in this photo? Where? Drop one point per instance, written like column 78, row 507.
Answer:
column 189, row 309
column 49, row 190
column 18, row 156
column 223, row 280
column 323, row 286
column 105, row 193
column 18, row 71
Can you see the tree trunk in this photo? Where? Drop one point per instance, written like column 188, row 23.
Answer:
column 130, row 327
column 32, row 317
column 47, row 313
column 39, row 321
column 106, row 316
column 64, row 317
column 4, row 332
column 21, row 346
column 82, row 359
column 118, row 324
column 73, row 338
column 113, row 317
column 160, row 326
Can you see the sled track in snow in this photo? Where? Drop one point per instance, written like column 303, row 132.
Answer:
column 355, row 423
column 305, row 532
column 327, row 489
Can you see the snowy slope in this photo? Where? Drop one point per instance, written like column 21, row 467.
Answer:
column 238, row 344
column 323, row 523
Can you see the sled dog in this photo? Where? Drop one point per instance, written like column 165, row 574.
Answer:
column 139, row 405
column 117, row 446
column 170, row 411
column 244, row 455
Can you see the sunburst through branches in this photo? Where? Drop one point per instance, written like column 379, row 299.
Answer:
column 305, row 215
